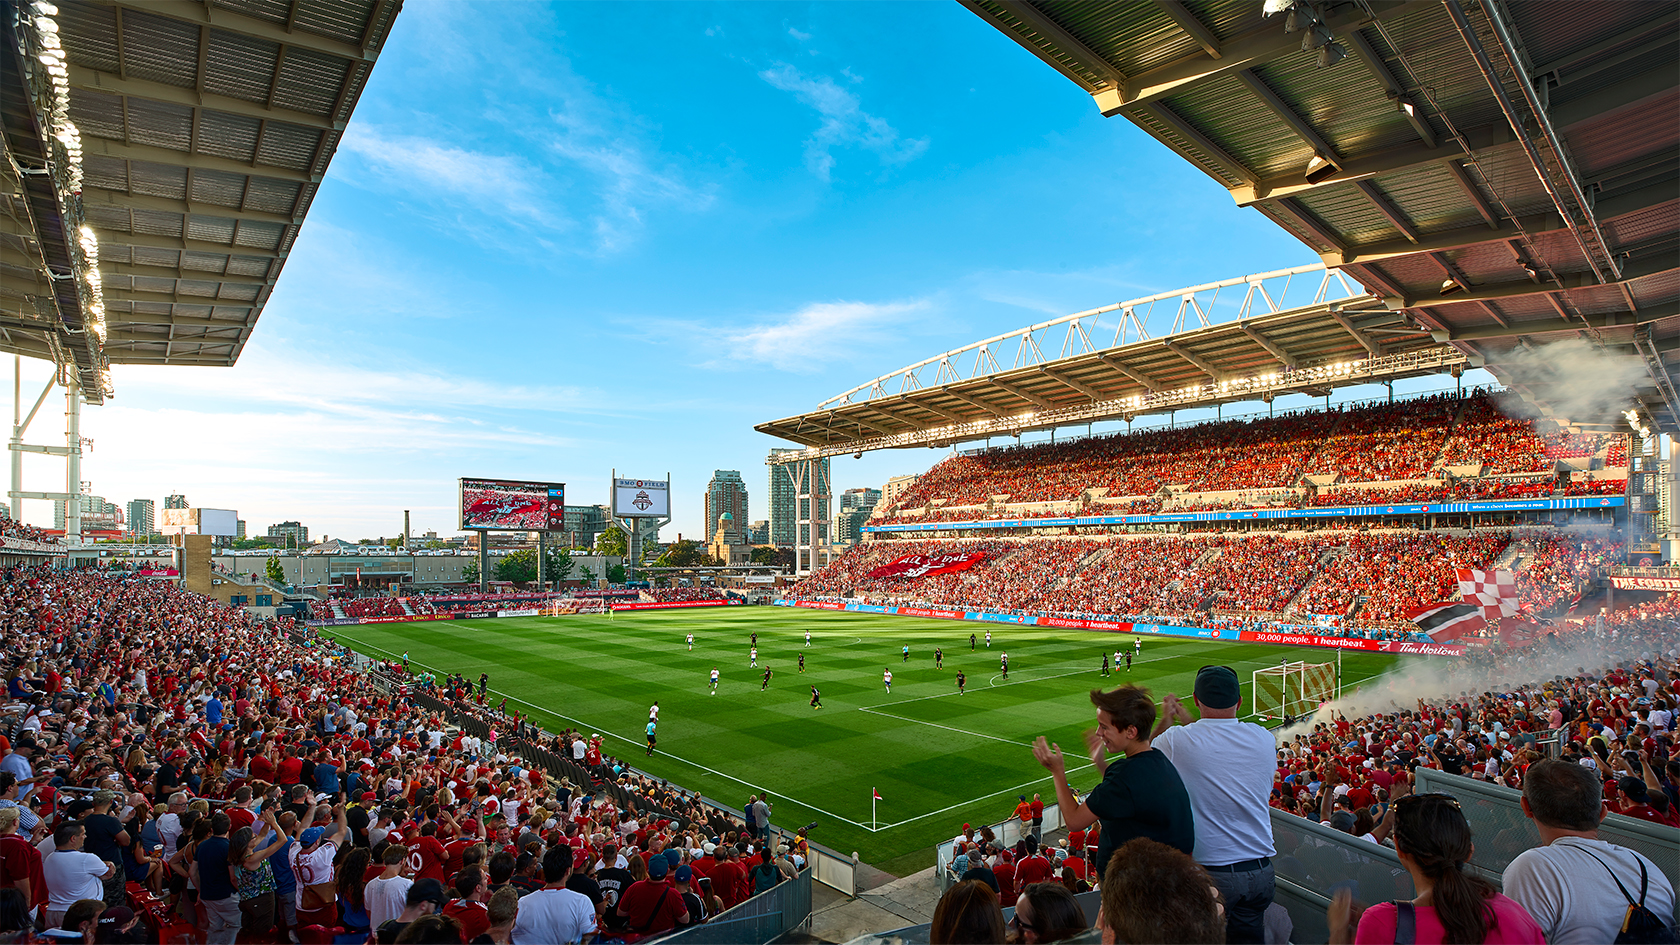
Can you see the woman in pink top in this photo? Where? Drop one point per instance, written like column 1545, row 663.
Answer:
column 1433, row 841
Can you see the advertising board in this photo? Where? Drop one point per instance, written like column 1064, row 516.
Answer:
column 223, row 522
column 641, row 498
column 500, row 504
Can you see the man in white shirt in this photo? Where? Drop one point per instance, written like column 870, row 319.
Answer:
column 387, row 893
column 72, row 874
column 554, row 913
column 1227, row 767
column 1568, row 884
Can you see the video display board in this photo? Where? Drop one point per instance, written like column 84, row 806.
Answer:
column 504, row 505
column 641, row 498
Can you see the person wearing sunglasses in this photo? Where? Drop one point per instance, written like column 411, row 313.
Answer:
column 1435, row 844
column 1046, row 912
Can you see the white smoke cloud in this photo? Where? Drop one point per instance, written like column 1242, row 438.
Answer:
column 1582, row 383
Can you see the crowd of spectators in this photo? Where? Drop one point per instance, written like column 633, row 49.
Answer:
column 373, row 607
column 1261, row 578
column 12, row 528
column 698, row 593
column 154, row 738
column 1378, row 443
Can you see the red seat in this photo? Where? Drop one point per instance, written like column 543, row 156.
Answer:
column 319, row 934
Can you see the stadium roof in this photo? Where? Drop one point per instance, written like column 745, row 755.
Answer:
column 1302, row 330
column 1504, row 174
column 191, row 138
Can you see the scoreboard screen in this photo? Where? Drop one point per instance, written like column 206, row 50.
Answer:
column 504, row 505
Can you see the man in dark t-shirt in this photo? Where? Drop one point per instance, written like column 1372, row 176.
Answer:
column 1140, row 795
column 106, row 839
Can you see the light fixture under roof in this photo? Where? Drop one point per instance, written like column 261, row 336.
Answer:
column 1331, row 53
column 1319, row 168
column 1451, row 287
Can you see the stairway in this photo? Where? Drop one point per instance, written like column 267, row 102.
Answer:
column 1324, row 559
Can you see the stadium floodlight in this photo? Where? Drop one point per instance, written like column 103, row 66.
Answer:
column 1301, row 16
column 1331, row 53
column 1318, row 36
column 1450, row 287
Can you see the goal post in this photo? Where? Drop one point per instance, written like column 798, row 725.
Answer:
column 566, row 606
column 1293, row 689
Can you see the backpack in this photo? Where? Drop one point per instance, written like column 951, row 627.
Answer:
column 1639, row 924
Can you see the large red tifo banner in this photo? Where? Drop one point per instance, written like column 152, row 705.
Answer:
column 915, row 566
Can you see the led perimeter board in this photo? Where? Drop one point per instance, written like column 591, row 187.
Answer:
column 502, row 505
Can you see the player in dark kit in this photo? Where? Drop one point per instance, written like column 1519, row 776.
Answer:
column 961, row 681
column 755, row 638
column 1006, row 666
column 971, row 643
column 1105, row 663
column 1128, row 662
column 766, row 680
column 802, row 662
column 816, row 698
column 938, row 658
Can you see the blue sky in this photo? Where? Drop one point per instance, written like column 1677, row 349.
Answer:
column 562, row 239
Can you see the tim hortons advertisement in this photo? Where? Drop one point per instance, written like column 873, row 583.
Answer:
column 915, row 566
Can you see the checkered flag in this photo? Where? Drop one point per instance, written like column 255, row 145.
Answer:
column 1494, row 591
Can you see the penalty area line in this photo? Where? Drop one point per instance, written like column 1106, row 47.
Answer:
column 609, row 731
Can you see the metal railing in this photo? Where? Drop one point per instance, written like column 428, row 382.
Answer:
column 1007, row 832
column 766, row 916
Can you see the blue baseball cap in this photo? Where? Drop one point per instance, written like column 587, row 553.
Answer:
column 311, row 836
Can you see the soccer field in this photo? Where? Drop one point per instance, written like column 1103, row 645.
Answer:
column 938, row 758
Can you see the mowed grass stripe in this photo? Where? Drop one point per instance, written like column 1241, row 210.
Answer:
column 604, row 673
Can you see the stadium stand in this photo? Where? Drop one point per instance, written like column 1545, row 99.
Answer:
column 1432, row 448
column 208, row 702
column 11, row 528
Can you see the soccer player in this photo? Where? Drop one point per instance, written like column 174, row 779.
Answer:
column 650, row 729
column 755, row 639
column 714, row 680
column 1128, row 662
column 766, row 680
column 816, row 698
column 961, row 682
column 691, row 643
column 807, row 636
column 988, row 639
column 1105, row 663
column 653, row 712
column 1137, row 645
column 1006, row 666
column 971, row 643
column 886, row 677
column 755, row 655
column 938, row 658
column 1117, row 658
column 906, row 652
column 802, row 662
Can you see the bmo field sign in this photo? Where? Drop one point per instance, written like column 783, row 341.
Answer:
column 641, row 498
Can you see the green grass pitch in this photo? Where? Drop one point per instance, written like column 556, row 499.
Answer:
column 937, row 758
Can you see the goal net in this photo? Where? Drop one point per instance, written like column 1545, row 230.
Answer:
column 564, row 606
column 1293, row 689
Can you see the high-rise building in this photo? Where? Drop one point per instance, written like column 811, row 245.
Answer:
column 239, row 528
column 759, row 532
column 801, row 512
column 142, row 516
column 97, row 514
column 864, row 499
column 848, row 525
column 727, row 492
column 895, row 487
column 583, row 523
column 175, row 502
column 290, row 534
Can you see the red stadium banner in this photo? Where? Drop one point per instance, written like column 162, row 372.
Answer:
column 1077, row 623
column 820, row 605
column 407, row 618
column 1353, row 643
column 930, row 612
column 1625, row 583
column 915, row 566
column 661, row 605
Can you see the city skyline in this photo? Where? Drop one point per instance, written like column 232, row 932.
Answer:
column 818, row 212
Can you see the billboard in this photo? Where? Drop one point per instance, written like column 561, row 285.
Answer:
column 641, row 498
column 218, row 522
column 178, row 522
column 498, row 504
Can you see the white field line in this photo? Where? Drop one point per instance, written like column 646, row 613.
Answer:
column 868, row 709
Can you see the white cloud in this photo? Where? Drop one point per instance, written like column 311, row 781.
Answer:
column 508, row 185
column 807, row 340
column 796, row 34
column 844, row 122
